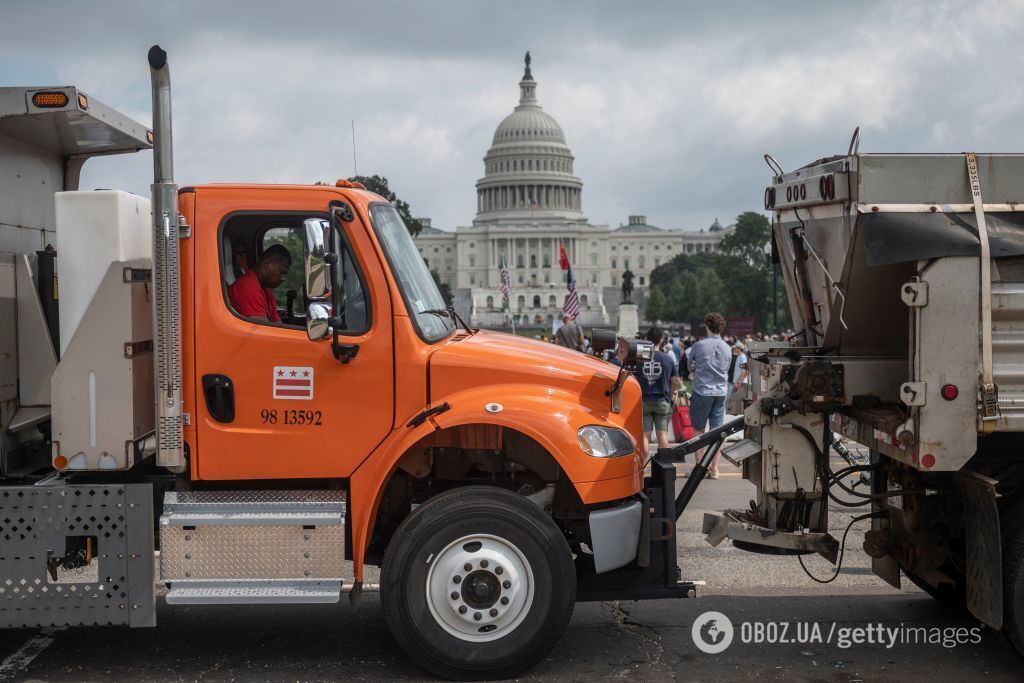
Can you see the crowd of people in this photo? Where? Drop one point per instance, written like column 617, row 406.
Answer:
column 714, row 366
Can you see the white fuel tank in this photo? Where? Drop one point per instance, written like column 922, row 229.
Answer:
column 94, row 229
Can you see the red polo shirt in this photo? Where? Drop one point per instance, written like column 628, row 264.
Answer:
column 251, row 300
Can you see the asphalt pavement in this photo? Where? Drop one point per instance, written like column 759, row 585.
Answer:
column 852, row 629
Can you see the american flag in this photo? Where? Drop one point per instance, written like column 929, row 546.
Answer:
column 572, row 301
column 506, row 282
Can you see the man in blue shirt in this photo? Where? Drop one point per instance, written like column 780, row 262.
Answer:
column 709, row 366
column 658, row 378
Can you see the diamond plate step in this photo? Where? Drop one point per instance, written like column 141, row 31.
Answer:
column 250, row 518
column 240, row 538
column 253, row 592
column 195, row 508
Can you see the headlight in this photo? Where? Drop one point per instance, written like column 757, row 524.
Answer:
column 604, row 442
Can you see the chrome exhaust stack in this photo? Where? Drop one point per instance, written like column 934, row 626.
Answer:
column 166, row 301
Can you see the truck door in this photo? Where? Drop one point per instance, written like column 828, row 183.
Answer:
column 270, row 403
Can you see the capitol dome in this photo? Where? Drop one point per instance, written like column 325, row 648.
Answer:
column 528, row 171
column 528, row 123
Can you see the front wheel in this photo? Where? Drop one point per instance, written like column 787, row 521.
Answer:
column 478, row 583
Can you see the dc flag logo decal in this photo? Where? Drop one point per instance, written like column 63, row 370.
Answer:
column 295, row 383
column 712, row 632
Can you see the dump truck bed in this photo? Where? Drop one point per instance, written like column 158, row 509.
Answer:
column 861, row 237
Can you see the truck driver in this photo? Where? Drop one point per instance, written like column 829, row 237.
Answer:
column 252, row 294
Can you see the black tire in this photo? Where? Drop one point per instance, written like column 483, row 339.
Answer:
column 1012, row 528
column 432, row 530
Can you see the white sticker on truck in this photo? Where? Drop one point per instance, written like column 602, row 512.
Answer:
column 293, row 383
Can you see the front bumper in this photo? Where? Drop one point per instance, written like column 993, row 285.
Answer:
column 615, row 535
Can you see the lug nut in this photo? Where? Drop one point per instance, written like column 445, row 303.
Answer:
column 477, row 616
column 468, row 567
column 494, row 612
column 506, row 584
column 498, row 570
column 455, row 595
column 462, row 609
column 483, row 564
column 457, row 579
column 504, row 601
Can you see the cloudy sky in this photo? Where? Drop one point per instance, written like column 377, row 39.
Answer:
column 667, row 106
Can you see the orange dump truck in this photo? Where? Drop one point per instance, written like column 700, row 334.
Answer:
column 496, row 480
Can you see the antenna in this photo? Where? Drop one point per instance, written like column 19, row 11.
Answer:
column 355, row 165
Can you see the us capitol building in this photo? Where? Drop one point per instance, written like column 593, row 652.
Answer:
column 528, row 200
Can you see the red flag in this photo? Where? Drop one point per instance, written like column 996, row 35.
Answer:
column 563, row 258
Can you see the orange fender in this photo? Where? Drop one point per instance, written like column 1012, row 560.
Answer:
column 548, row 416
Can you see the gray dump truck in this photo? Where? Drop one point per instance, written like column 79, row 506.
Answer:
column 905, row 280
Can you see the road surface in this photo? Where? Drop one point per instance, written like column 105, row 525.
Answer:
column 649, row 641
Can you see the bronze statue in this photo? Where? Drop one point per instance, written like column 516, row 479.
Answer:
column 627, row 286
column 527, row 60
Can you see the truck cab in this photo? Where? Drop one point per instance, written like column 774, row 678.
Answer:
column 403, row 394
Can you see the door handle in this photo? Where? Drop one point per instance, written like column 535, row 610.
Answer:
column 219, row 391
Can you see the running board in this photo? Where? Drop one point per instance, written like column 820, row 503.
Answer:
column 253, row 592
column 242, row 547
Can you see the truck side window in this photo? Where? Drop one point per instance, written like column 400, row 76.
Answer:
column 245, row 237
column 353, row 314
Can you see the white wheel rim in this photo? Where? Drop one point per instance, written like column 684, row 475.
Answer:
column 488, row 600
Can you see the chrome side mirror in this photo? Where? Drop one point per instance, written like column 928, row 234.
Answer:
column 318, row 326
column 315, row 261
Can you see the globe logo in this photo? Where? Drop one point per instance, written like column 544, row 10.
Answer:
column 712, row 632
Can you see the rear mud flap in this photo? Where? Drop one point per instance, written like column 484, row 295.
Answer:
column 756, row 538
column 984, row 552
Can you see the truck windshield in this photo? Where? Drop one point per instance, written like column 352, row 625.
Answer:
column 414, row 280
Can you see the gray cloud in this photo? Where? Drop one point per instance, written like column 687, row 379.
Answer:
column 668, row 108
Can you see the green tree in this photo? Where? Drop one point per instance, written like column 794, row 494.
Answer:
column 379, row 184
column 710, row 294
column 656, row 305
column 750, row 240
column 735, row 280
column 682, row 296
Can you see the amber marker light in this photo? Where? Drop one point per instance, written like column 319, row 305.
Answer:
column 50, row 99
column 60, row 462
column 83, row 102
